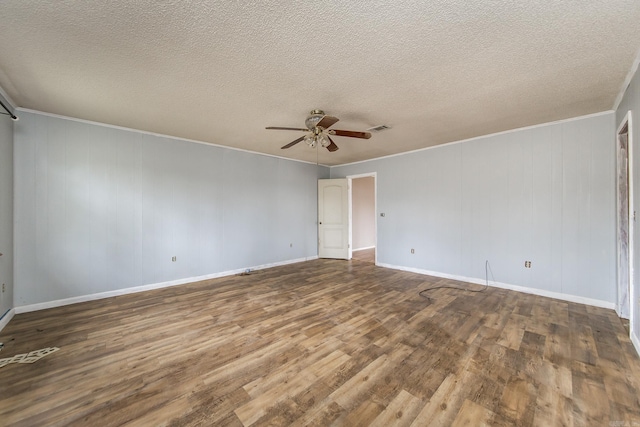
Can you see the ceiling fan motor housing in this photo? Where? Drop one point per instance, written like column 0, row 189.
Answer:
column 314, row 118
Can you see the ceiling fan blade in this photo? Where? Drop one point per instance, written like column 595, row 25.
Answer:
column 281, row 128
column 332, row 147
column 327, row 121
column 351, row 133
column 292, row 143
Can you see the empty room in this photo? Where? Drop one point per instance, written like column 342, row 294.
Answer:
column 319, row 213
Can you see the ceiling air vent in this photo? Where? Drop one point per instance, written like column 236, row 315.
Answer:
column 379, row 128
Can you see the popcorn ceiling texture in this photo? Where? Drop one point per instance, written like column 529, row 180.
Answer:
column 219, row 72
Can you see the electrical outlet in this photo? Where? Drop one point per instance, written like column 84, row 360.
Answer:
column 413, row 251
column 527, row 264
column 174, row 258
column 3, row 287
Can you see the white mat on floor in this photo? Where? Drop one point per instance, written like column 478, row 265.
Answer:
column 30, row 357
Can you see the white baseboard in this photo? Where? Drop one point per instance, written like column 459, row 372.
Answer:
column 523, row 289
column 4, row 321
column 135, row 289
column 108, row 294
column 363, row 249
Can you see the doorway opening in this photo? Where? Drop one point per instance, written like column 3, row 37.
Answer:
column 363, row 220
column 625, row 217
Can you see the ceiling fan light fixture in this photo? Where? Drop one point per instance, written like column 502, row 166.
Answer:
column 311, row 141
column 318, row 126
column 324, row 141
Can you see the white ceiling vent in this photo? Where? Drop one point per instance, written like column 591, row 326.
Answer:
column 379, row 128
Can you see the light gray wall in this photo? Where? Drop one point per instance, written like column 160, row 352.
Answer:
column 101, row 209
column 6, row 213
column 631, row 102
column 544, row 194
column 363, row 212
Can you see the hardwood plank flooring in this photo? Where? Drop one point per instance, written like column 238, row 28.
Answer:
column 368, row 255
column 324, row 342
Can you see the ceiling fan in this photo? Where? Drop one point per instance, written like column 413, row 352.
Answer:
column 318, row 125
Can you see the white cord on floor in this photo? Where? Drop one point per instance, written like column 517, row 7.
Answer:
column 487, row 269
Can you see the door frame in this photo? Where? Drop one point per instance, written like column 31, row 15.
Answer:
column 625, row 123
column 350, row 179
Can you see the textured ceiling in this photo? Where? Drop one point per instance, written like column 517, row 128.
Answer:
column 219, row 72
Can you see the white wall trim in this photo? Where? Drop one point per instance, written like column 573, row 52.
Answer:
column 349, row 215
column 373, row 175
column 602, row 113
column 632, row 225
column 523, row 289
column 177, row 138
column 636, row 342
column 6, row 318
column 627, row 81
column 627, row 120
column 143, row 288
column 363, row 175
column 304, row 161
column 364, row 249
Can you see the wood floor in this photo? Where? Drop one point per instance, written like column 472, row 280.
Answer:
column 367, row 255
column 323, row 342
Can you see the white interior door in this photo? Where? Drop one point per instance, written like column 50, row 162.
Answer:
column 333, row 219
